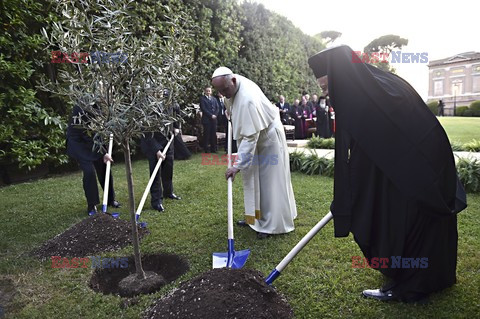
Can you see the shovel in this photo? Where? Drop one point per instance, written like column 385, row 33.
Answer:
column 107, row 180
column 149, row 185
column 230, row 259
column 277, row 271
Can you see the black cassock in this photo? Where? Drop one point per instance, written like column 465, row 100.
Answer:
column 323, row 122
column 396, row 188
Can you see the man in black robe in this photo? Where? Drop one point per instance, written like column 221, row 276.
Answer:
column 323, row 119
column 396, row 188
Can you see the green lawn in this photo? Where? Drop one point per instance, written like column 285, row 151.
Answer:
column 461, row 129
column 319, row 283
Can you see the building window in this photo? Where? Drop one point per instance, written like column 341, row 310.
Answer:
column 457, row 87
column 438, row 88
column 476, row 84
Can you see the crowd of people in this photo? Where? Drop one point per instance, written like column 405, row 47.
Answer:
column 308, row 115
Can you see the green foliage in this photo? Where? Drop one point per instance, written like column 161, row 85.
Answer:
column 469, row 174
column 124, row 97
column 320, row 142
column 385, row 44
column 32, row 132
column 461, row 110
column 475, row 108
column 472, row 146
column 296, row 160
column 274, row 53
column 328, row 36
column 311, row 164
column 457, row 146
column 433, row 106
column 314, row 165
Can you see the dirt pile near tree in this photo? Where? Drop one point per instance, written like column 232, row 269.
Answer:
column 168, row 266
column 95, row 234
column 223, row 293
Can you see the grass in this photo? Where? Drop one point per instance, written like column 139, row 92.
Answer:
column 319, row 283
column 461, row 129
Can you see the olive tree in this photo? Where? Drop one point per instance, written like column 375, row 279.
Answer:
column 116, row 65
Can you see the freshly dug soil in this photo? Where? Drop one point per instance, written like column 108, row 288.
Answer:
column 131, row 286
column 95, row 234
column 223, row 293
column 169, row 266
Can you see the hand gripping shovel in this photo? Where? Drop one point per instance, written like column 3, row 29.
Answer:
column 107, row 180
column 149, row 185
column 231, row 259
column 276, row 272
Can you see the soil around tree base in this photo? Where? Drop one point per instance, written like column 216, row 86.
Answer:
column 223, row 293
column 168, row 266
column 95, row 234
column 132, row 285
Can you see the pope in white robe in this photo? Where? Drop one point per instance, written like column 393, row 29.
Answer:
column 262, row 154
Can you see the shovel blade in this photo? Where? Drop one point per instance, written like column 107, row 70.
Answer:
column 235, row 261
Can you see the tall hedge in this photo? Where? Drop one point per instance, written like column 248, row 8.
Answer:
column 246, row 37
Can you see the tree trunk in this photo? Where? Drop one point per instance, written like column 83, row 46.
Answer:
column 131, row 204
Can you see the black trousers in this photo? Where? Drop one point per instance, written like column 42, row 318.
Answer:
column 210, row 136
column 162, row 185
column 90, row 186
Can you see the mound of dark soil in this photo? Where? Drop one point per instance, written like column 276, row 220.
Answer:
column 169, row 266
column 223, row 293
column 95, row 234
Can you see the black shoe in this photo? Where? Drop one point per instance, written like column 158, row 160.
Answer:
column 173, row 196
column 92, row 210
column 262, row 235
column 379, row 295
column 242, row 223
column 114, row 204
column 159, row 207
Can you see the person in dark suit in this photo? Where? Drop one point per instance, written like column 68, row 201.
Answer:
column 284, row 109
column 80, row 147
column 152, row 145
column 209, row 107
column 223, row 119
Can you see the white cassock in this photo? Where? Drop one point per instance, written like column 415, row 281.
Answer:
column 263, row 160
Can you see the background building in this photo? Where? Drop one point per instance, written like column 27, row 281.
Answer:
column 455, row 80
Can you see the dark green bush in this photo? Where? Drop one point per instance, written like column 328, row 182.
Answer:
column 469, row 174
column 319, row 142
column 472, row 146
column 311, row 164
column 475, row 108
column 457, row 146
column 296, row 160
column 433, row 106
column 461, row 110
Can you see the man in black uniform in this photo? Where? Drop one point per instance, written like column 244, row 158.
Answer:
column 80, row 147
column 396, row 188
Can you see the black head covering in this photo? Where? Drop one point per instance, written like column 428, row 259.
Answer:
column 386, row 118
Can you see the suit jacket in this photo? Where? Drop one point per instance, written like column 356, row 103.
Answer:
column 209, row 107
column 286, row 106
column 151, row 143
column 222, row 116
column 79, row 143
